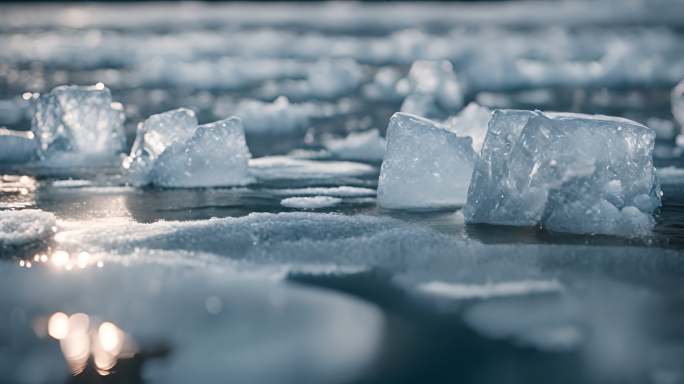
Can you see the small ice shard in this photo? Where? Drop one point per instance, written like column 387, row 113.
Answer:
column 677, row 102
column 425, row 166
column 664, row 129
column 365, row 146
column 471, row 121
column 76, row 124
column 435, row 90
column 153, row 137
column 215, row 155
column 310, row 202
column 569, row 172
column 17, row 146
column 25, row 226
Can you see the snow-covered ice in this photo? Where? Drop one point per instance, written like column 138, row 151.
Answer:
column 310, row 202
column 426, row 166
column 76, row 124
column 435, row 89
column 17, row 146
column 280, row 116
column 471, row 121
column 215, row 155
column 489, row 290
column 287, row 168
column 153, row 137
column 569, row 172
column 367, row 146
column 25, row 226
column 343, row 191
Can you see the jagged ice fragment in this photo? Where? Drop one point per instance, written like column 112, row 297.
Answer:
column 471, row 121
column 425, row 166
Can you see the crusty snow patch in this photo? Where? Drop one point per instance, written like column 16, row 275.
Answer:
column 25, row 226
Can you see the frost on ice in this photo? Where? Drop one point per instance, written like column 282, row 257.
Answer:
column 74, row 123
column 154, row 136
column 367, row 146
column 310, row 202
column 216, row 155
column 569, row 172
column 25, row 226
column 434, row 89
column 471, row 121
column 425, row 166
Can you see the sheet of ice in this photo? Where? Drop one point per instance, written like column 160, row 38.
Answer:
column 677, row 103
column 76, row 124
column 221, row 321
column 310, row 202
column 569, row 172
column 664, row 129
column 471, row 121
column 490, row 290
column 215, row 155
column 435, row 89
column 343, row 191
column 326, row 80
column 287, row 168
column 153, row 137
column 425, row 166
column 365, row 146
column 17, row 146
column 25, row 226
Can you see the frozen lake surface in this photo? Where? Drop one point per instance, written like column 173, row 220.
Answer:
column 299, row 276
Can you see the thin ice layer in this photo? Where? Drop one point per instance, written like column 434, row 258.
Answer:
column 425, row 166
column 287, row 168
column 310, row 202
column 25, row 226
column 367, row 146
column 75, row 123
column 569, row 172
column 153, row 137
column 216, row 155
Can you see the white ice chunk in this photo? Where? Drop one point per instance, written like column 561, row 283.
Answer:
column 75, row 122
column 154, row 136
column 280, row 116
column 434, row 89
column 216, row 155
column 310, row 202
column 368, row 146
column 489, row 290
column 664, row 129
column 471, row 121
column 286, row 168
column 25, row 226
column 17, row 146
column 343, row 191
column 425, row 166
column 569, row 172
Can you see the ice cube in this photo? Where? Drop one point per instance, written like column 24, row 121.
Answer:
column 434, row 89
column 17, row 146
column 569, row 172
column 471, row 121
column 78, row 120
column 425, row 166
column 215, row 155
column 153, row 137
column 368, row 146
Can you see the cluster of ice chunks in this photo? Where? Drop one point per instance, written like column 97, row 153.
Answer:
column 435, row 89
column 568, row 172
column 170, row 150
column 425, row 166
column 75, row 124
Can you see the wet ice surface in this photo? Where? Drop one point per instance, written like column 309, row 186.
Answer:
column 300, row 276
